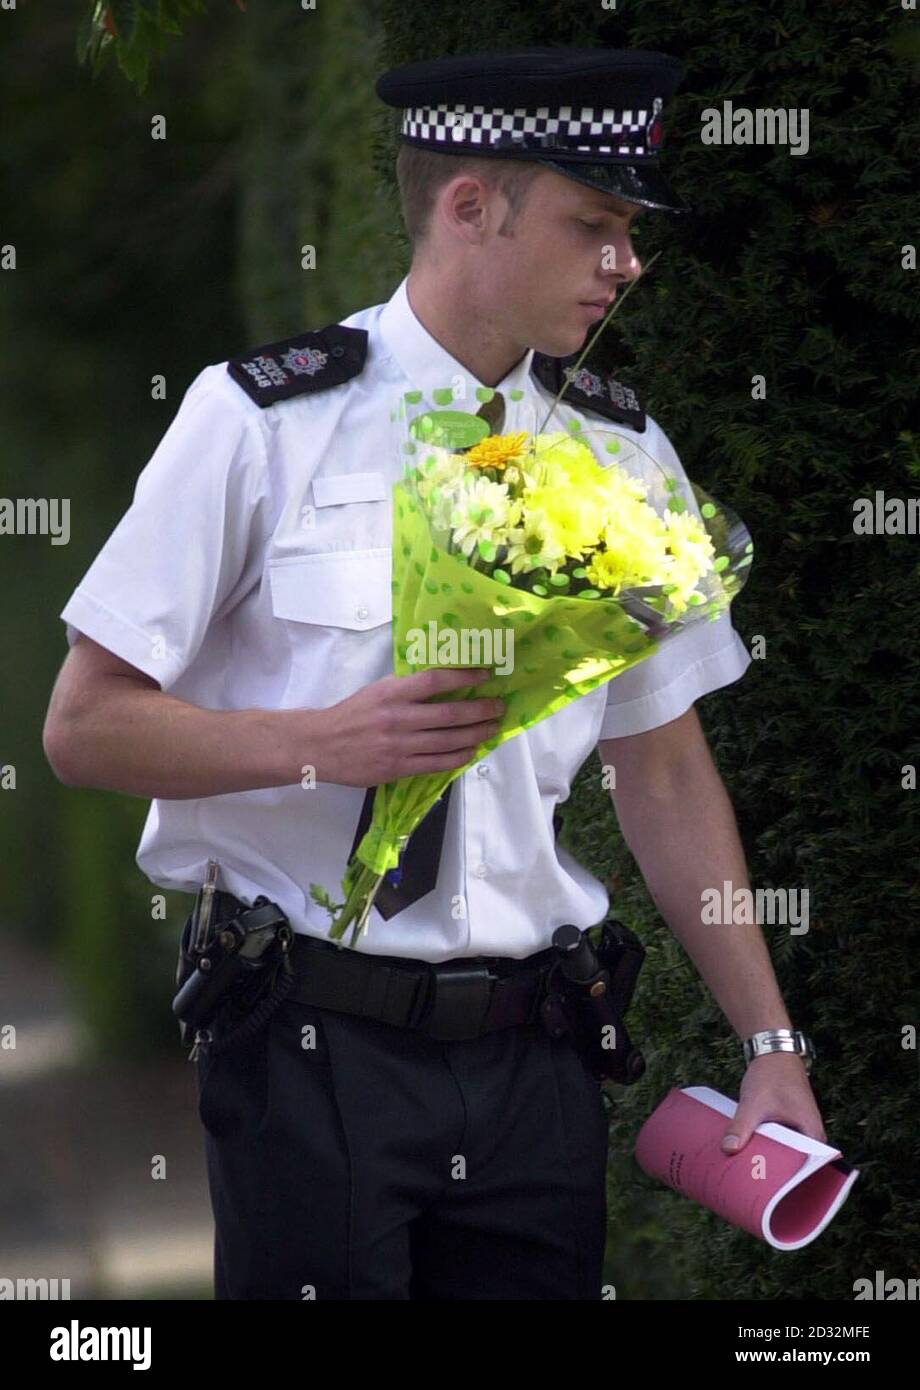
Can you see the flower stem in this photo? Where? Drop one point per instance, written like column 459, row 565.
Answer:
column 357, row 905
column 614, row 308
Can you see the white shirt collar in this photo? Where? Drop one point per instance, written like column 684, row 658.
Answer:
column 428, row 365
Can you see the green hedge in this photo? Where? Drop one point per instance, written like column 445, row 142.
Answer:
column 790, row 267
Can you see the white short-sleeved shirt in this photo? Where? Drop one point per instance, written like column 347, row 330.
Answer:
column 253, row 568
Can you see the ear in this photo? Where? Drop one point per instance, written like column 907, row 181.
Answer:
column 466, row 204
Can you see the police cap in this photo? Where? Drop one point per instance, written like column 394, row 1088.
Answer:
column 592, row 114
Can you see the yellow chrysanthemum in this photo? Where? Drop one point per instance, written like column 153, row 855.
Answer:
column 496, row 450
column 608, row 570
column 692, row 552
column 689, row 540
column 631, row 559
column 564, row 448
column 618, row 485
column 570, row 518
column 555, row 501
column 549, row 454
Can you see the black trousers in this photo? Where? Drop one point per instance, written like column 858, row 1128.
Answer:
column 350, row 1159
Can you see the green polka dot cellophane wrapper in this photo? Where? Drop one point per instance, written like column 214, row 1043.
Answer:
column 563, row 646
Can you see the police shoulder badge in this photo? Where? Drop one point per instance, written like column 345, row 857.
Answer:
column 589, row 389
column 296, row 366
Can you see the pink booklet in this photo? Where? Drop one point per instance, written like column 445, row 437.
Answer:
column 782, row 1186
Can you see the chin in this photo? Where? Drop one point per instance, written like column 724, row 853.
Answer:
column 560, row 345
column 577, row 341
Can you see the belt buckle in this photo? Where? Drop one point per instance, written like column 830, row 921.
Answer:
column 459, row 997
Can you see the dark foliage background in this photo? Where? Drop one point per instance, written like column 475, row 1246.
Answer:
column 137, row 257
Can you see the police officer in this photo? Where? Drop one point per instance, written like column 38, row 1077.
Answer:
column 402, row 1126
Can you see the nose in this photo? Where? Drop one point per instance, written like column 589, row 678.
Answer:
column 619, row 262
column 630, row 264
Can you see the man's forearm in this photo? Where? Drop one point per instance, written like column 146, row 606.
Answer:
column 148, row 743
column 685, row 840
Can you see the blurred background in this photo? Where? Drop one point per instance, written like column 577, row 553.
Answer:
column 123, row 257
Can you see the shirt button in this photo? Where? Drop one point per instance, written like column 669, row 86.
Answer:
column 360, row 612
column 481, row 770
column 480, row 871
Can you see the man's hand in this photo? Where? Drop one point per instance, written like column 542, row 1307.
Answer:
column 774, row 1087
column 391, row 728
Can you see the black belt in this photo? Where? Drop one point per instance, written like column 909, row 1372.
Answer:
column 452, row 1000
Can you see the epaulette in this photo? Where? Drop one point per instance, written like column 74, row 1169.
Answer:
column 308, row 362
column 589, row 390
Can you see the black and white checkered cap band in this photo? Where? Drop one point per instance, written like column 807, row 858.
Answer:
column 571, row 130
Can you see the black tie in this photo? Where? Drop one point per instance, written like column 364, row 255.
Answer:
column 417, row 873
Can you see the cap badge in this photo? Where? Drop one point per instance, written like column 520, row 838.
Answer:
column 654, row 131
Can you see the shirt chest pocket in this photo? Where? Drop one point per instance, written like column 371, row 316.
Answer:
column 349, row 511
column 337, row 608
column 335, row 488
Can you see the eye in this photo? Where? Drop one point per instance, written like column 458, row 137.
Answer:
column 594, row 226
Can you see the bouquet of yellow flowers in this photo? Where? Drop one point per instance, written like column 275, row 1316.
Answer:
column 525, row 553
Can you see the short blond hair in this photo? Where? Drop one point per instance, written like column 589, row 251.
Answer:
column 422, row 173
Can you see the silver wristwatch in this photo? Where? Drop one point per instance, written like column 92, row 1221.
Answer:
column 780, row 1040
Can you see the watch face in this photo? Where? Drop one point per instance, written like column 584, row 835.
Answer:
column 758, row 1046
